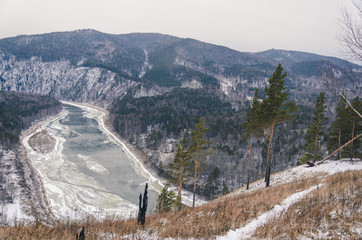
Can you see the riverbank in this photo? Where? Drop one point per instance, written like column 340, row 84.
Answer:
column 76, row 184
column 29, row 198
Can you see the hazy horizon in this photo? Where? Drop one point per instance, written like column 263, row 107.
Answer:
column 246, row 26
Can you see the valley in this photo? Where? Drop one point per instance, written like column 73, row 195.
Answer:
column 155, row 88
column 88, row 173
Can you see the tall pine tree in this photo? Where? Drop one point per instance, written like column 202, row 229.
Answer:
column 253, row 125
column 179, row 168
column 314, row 132
column 338, row 134
column 275, row 110
column 197, row 147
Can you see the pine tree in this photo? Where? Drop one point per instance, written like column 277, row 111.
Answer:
column 355, row 125
column 253, row 125
column 314, row 132
column 275, row 110
column 211, row 184
column 198, row 145
column 337, row 136
column 225, row 189
column 166, row 200
column 179, row 167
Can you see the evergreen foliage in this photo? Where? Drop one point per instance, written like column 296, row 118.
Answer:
column 180, row 168
column 314, row 132
column 165, row 201
column 197, row 147
column 346, row 125
column 253, row 125
column 212, row 183
column 275, row 109
column 355, row 123
column 225, row 189
column 18, row 110
column 172, row 113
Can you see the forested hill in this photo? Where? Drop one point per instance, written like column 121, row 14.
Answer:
column 19, row 110
column 158, row 86
column 20, row 184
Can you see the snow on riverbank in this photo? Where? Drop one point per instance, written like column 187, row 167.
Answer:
column 23, row 198
column 72, row 193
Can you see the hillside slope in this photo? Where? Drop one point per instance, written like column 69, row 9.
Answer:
column 303, row 203
column 22, row 193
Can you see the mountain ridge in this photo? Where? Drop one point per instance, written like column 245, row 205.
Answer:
column 107, row 69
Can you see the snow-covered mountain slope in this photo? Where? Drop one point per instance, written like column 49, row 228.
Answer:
column 62, row 80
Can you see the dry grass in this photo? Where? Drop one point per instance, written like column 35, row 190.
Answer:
column 332, row 211
column 341, row 192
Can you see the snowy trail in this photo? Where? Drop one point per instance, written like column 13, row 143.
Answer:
column 248, row 230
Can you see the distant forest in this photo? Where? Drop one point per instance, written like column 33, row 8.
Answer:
column 19, row 110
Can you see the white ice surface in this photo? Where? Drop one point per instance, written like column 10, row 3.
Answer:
column 70, row 188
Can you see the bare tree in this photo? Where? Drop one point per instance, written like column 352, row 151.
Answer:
column 351, row 40
column 351, row 26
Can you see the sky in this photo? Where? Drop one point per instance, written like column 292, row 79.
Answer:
column 243, row 25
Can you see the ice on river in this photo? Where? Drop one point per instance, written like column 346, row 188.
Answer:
column 89, row 172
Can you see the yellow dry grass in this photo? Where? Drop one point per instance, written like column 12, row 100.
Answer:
column 333, row 211
column 341, row 192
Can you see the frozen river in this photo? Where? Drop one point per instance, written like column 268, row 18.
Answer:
column 90, row 172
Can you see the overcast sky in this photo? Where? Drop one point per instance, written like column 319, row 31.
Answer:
column 244, row 25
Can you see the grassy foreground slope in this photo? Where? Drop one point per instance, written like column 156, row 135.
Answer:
column 331, row 210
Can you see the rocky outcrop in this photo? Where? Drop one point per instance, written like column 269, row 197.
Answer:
column 61, row 80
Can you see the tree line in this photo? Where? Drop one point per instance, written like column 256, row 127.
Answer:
column 19, row 110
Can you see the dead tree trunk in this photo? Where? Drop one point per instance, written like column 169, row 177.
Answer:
column 142, row 207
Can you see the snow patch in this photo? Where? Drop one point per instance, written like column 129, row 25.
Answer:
column 93, row 165
column 304, row 171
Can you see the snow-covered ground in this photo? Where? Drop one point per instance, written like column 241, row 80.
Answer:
column 304, row 171
column 12, row 212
